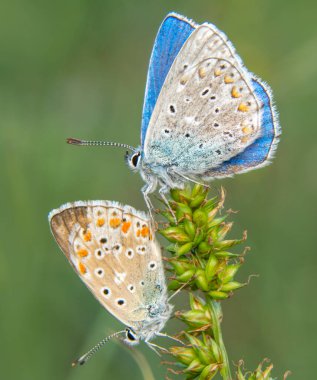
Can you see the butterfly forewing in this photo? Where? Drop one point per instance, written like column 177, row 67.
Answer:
column 112, row 249
column 206, row 112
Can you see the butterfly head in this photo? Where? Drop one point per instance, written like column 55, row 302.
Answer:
column 134, row 160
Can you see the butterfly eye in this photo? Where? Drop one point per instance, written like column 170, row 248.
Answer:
column 135, row 159
column 131, row 337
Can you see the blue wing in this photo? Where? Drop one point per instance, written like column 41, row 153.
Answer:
column 262, row 150
column 171, row 36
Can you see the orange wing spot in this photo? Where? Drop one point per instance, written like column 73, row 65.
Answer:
column 82, row 268
column 145, row 232
column 125, row 227
column 235, row 93
column 243, row 107
column 228, row 79
column 202, row 72
column 115, row 222
column 138, row 233
column 100, row 222
column 82, row 252
column 247, row 130
column 218, row 72
column 87, row 236
column 184, row 80
column 244, row 139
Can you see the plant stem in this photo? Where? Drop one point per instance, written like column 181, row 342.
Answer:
column 143, row 365
column 215, row 307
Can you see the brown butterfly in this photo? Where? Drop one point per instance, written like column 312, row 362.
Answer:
column 114, row 252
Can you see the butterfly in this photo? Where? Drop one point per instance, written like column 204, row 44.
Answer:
column 205, row 116
column 112, row 249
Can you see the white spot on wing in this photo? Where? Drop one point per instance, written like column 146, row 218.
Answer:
column 119, row 277
column 190, row 120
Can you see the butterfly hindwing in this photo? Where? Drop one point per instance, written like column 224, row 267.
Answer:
column 261, row 151
column 112, row 249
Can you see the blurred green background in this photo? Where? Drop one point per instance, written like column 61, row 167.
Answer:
column 78, row 68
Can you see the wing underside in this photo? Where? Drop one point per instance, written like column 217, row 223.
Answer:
column 211, row 118
column 113, row 252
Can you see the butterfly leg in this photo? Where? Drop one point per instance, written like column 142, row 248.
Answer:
column 162, row 192
column 191, row 180
column 147, row 189
column 156, row 348
column 170, row 337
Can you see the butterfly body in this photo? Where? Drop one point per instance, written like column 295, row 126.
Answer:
column 204, row 116
column 113, row 251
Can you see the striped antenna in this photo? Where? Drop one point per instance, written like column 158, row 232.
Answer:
column 73, row 141
column 84, row 358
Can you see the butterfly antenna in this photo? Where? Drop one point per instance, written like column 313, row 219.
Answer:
column 84, row 358
column 73, row 141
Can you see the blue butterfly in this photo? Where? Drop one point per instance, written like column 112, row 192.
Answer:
column 205, row 116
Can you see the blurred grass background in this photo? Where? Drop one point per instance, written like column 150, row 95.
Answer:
column 78, row 68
